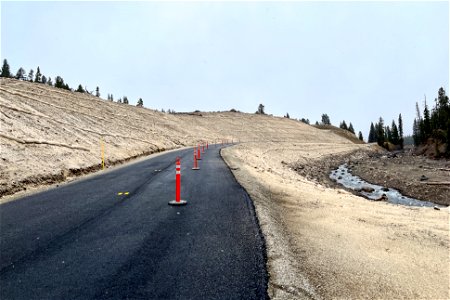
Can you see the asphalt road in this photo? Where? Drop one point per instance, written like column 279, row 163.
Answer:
column 84, row 241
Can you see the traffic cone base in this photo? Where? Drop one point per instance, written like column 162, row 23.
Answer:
column 195, row 168
column 178, row 203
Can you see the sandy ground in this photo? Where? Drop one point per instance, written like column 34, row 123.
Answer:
column 49, row 135
column 322, row 242
column 328, row 243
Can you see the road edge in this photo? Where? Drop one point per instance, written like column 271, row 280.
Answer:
column 284, row 279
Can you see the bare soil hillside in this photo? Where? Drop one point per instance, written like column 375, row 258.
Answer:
column 48, row 135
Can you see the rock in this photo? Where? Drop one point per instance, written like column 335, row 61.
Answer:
column 385, row 189
column 423, row 178
column 382, row 198
column 367, row 189
column 436, row 208
column 340, row 177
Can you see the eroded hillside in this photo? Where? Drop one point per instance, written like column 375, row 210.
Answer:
column 48, row 134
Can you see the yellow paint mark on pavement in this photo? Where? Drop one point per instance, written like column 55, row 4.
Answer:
column 120, row 193
column 126, row 193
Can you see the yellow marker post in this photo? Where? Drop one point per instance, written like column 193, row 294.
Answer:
column 103, row 153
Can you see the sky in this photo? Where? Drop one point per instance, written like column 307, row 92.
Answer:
column 355, row 61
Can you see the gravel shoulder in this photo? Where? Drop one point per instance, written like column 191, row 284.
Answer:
column 324, row 242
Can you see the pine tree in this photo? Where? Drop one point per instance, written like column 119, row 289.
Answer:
column 80, row 89
column 49, row 81
column 326, row 119
column 119, row 100
column 6, row 71
column 380, row 132
column 400, row 131
column 44, row 79
column 31, row 75
column 394, row 134
column 287, row 116
column 351, row 129
column 97, row 92
column 38, row 77
column 260, row 110
column 59, row 82
column 360, row 136
column 140, row 103
column 112, row 97
column 125, row 100
column 343, row 125
column 20, row 74
column 426, row 120
column 371, row 138
column 388, row 134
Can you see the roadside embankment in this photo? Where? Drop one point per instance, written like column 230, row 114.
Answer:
column 325, row 242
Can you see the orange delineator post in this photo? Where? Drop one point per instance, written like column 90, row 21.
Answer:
column 206, row 145
column 178, row 200
column 195, row 161
column 199, row 157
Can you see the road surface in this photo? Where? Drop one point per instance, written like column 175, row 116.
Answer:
column 85, row 240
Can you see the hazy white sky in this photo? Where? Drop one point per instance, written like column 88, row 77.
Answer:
column 352, row 60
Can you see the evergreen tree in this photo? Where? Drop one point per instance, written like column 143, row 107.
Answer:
column 380, row 132
column 125, row 100
column 6, row 71
column 80, row 89
column 287, row 116
column 426, row 121
column 360, row 136
column 97, row 92
column 44, row 79
column 394, row 134
column 59, row 82
column 21, row 74
column 38, row 77
column 343, row 125
column 306, row 121
column 112, row 97
column 351, row 129
column 326, row 119
column 317, row 123
column 31, row 75
column 260, row 110
column 140, row 103
column 49, row 81
column 388, row 134
column 400, row 131
column 371, row 138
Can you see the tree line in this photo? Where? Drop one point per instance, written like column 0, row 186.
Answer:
column 434, row 124
column 385, row 136
column 38, row 77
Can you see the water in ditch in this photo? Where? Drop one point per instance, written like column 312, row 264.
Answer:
column 372, row 191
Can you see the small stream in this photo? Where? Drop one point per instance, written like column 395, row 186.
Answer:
column 372, row 191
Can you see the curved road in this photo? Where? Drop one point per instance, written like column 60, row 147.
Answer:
column 85, row 241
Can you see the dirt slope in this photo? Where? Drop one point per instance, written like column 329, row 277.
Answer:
column 326, row 243
column 48, row 134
